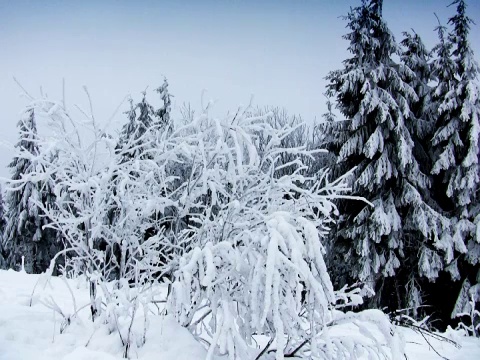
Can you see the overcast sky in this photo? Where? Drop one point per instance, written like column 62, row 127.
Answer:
column 279, row 51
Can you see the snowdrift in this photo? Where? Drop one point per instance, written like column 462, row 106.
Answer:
column 37, row 332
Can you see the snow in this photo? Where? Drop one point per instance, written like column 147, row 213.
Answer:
column 418, row 348
column 33, row 332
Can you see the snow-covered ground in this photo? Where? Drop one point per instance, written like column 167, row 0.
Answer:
column 33, row 332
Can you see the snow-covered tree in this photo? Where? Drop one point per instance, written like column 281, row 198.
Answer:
column 136, row 127
column 255, row 260
column 137, row 142
column 142, row 117
column 163, row 113
column 300, row 136
column 381, row 243
column 416, row 57
column 82, row 173
column 25, row 235
column 455, row 142
column 456, row 139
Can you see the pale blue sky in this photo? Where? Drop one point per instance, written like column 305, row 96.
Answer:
column 279, row 51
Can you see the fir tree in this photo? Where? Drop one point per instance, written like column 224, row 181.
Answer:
column 382, row 241
column 25, row 232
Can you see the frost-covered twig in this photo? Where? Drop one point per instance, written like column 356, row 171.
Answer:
column 265, row 348
column 408, row 322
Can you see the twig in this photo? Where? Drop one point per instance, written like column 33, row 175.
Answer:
column 264, row 349
column 54, row 323
column 116, row 110
column 33, row 291
column 71, row 293
column 90, row 338
column 430, row 333
column 21, row 87
column 92, row 117
column 302, row 344
column 200, row 319
column 425, row 338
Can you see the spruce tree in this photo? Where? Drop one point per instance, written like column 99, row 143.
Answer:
column 163, row 113
column 25, row 232
column 132, row 137
column 137, row 141
column 456, row 139
column 144, row 123
column 416, row 57
column 382, row 242
column 455, row 142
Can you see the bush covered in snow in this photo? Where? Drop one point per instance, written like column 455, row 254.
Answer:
column 238, row 238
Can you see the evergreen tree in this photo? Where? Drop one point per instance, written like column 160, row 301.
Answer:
column 382, row 242
column 416, row 57
column 455, row 142
column 440, row 291
column 456, row 139
column 137, row 141
column 132, row 137
column 143, row 121
column 163, row 114
column 133, row 143
column 25, row 232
